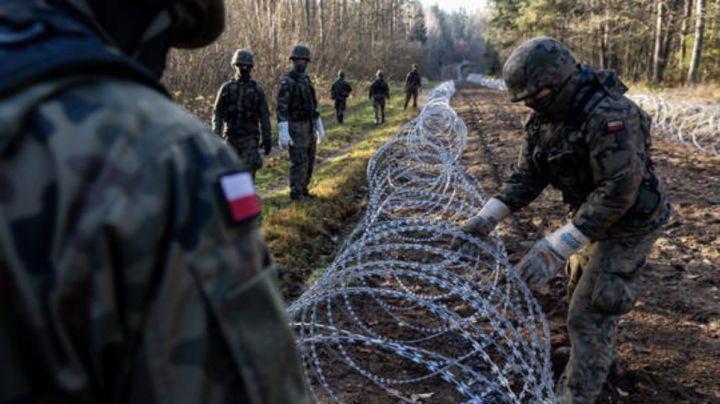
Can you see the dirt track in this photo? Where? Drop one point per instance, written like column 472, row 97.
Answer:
column 670, row 343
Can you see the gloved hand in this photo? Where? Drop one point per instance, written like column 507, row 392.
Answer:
column 480, row 226
column 285, row 139
column 549, row 254
column 267, row 145
column 319, row 130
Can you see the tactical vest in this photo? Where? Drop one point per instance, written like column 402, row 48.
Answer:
column 302, row 102
column 562, row 159
column 377, row 89
column 242, row 104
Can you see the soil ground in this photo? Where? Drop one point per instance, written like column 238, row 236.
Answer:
column 670, row 343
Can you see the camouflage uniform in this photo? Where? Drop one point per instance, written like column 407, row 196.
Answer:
column 297, row 105
column 594, row 146
column 241, row 105
column 340, row 92
column 413, row 83
column 379, row 93
column 121, row 279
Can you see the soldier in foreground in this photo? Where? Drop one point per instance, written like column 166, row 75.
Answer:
column 379, row 94
column 592, row 143
column 132, row 267
column 413, row 84
column 299, row 122
column 340, row 92
column 241, row 106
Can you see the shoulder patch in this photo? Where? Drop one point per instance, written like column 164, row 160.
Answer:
column 238, row 192
column 283, row 82
column 614, row 126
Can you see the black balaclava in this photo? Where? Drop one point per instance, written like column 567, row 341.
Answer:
column 300, row 66
column 555, row 105
column 243, row 72
column 143, row 33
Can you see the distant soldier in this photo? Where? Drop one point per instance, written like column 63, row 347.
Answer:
column 132, row 267
column 299, row 122
column 241, row 106
column 588, row 140
column 340, row 92
column 379, row 94
column 413, row 83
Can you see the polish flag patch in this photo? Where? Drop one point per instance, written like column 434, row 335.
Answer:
column 615, row 126
column 239, row 193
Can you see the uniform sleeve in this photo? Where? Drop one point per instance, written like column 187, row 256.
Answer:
column 282, row 111
column 386, row 88
column 219, row 111
column 264, row 117
column 616, row 145
column 349, row 88
column 313, row 94
column 525, row 182
column 238, row 319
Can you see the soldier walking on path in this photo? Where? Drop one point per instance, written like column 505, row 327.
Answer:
column 413, row 83
column 379, row 94
column 340, row 92
column 592, row 143
column 132, row 265
column 299, row 122
column 241, row 106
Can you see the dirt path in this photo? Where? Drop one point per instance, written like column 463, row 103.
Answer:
column 670, row 343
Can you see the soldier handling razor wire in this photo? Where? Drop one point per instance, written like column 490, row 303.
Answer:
column 131, row 261
column 301, row 128
column 240, row 107
column 592, row 143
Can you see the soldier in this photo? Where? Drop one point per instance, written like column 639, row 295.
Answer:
column 133, row 270
column 241, row 106
column 592, row 143
column 379, row 93
column 340, row 92
column 413, row 83
column 299, row 122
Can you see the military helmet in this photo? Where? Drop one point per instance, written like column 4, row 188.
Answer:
column 380, row 73
column 204, row 21
column 414, row 66
column 538, row 63
column 243, row 57
column 341, row 73
column 300, row 52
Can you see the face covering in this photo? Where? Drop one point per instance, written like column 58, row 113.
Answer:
column 300, row 66
column 544, row 104
column 245, row 72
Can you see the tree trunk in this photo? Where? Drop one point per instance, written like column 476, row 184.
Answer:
column 687, row 12
column 697, row 48
column 656, row 77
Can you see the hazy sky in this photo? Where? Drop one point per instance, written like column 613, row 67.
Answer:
column 451, row 5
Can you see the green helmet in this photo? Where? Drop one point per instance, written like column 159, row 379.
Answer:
column 341, row 73
column 380, row 74
column 243, row 57
column 300, row 52
column 537, row 63
column 202, row 23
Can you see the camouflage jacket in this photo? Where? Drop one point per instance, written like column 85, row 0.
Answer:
column 340, row 90
column 379, row 89
column 413, row 81
column 598, row 157
column 296, row 100
column 240, row 106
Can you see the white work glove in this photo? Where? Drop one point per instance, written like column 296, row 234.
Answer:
column 549, row 254
column 480, row 226
column 319, row 130
column 285, row 139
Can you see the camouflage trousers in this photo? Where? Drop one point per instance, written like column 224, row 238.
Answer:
column 340, row 106
column 247, row 147
column 302, row 157
column 604, row 283
column 411, row 94
column 379, row 105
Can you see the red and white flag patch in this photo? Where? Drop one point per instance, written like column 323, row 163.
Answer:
column 239, row 193
column 615, row 126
